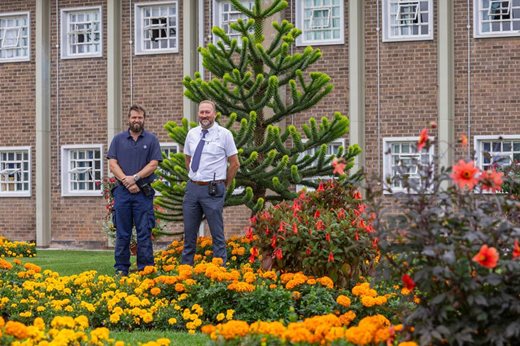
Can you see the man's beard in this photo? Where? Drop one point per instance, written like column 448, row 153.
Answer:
column 136, row 127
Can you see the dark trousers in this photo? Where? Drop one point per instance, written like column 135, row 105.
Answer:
column 198, row 202
column 133, row 209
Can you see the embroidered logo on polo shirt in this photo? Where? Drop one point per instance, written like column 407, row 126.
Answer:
column 144, row 146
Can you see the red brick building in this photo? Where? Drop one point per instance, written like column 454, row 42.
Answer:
column 70, row 69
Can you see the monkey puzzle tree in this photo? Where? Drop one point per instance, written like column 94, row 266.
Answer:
column 255, row 86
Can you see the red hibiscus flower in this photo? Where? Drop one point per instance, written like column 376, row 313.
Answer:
column 491, row 180
column 516, row 250
column 408, row 282
column 487, row 257
column 465, row 174
column 423, row 139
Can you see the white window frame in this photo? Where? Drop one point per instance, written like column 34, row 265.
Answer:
column 479, row 150
column 388, row 18
column 479, row 13
column 66, row 52
column 326, row 5
column 387, row 157
column 66, row 170
column 22, row 193
column 337, row 142
column 139, row 30
column 217, row 18
column 27, row 57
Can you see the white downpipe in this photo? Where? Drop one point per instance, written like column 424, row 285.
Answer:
column 201, row 36
column 468, row 27
column 131, row 55
column 378, row 72
column 58, row 40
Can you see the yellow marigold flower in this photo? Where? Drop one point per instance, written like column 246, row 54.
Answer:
column 217, row 261
column 147, row 317
column 119, row 343
column 26, row 314
column 269, row 275
column 249, row 277
column 169, row 267
column 272, row 286
column 99, row 334
column 38, row 323
column 343, row 300
column 405, row 291
column 16, row 329
column 114, row 318
column 296, row 295
column 416, row 300
column 172, row 321
column 155, row 291
column 229, row 314
column 220, row 317
column 82, row 322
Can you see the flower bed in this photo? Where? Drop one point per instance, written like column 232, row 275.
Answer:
column 16, row 248
column 173, row 296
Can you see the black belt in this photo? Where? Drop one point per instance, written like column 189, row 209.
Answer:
column 205, row 183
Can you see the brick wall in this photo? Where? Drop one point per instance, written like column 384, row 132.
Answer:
column 17, row 217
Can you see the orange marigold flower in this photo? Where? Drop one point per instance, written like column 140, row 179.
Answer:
column 516, row 249
column 487, row 257
column 343, row 300
column 491, row 180
column 16, row 329
column 423, row 139
column 155, row 291
column 465, row 174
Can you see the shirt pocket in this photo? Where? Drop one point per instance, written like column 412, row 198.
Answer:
column 215, row 148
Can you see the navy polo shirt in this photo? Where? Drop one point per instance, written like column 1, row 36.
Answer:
column 132, row 155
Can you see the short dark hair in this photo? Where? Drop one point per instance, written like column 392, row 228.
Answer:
column 211, row 103
column 137, row 108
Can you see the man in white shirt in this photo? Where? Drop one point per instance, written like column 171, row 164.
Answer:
column 208, row 150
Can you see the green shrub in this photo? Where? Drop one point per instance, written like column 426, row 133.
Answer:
column 456, row 249
column 324, row 232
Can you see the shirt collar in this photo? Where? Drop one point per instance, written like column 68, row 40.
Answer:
column 130, row 135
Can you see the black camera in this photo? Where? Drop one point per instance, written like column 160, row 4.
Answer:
column 146, row 188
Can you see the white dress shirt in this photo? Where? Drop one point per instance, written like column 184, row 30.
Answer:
column 219, row 145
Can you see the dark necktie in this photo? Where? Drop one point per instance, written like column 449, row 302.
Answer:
column 198, row 152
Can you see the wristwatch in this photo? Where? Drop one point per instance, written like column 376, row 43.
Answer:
column 136, row 178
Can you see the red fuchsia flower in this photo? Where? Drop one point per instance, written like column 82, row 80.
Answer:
column 356, row 235
column 296, row 207
column 295, row 228
column 282, row 227
column 491, row 180
column 357, row 195
column 408, row 282
column 249, row 233
column 253, row 220
column 360, row 209
column 278, row 253
column 339, row 166
column 317, row 214
column 266, row 215
column 320, row 187
column 516, row 249
column 320, row 225
column 308, row 251
column 254, row 254
column 423, row 139
column 327, row 237
column 463, row 140
column 273, row 242
column 487, row 257
column 341, row 214
column 267, row 230
column 375, row 242
column 465, row 174
column 331, row 257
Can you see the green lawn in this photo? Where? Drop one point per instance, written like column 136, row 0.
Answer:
column 69, row 262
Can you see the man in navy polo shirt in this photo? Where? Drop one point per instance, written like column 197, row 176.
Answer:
column 133, row 158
